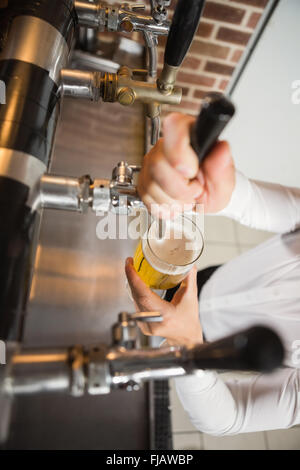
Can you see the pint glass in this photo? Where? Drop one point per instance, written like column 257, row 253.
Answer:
column 162, row 260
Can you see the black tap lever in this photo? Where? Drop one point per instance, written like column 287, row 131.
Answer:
column 216, row 112
column 183, row 28
column 257, row 348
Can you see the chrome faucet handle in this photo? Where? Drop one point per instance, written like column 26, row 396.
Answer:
column 147, row 317
column 151, row 44
column 123, row 192
column 78, row 194
column 135, row 168
column 159, row 10
column 123, row 173
column 133, row 6
column 125, row 331
column 115, row 17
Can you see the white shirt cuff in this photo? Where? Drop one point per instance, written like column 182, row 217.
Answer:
column 239, row 198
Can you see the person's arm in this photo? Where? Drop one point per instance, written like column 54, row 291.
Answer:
column 264, row 206
column 216, row 403
column 222, row 405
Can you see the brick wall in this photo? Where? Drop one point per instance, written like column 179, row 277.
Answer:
column 224, row 31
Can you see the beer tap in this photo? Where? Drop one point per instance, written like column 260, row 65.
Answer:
column 160, row 14
column 99, row 369
column 127, row 17
column 120, row 192
column 126, row 86
column 79, row 194
column 159, row 9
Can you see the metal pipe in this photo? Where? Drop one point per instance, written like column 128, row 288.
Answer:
column 98, row 369
column 89, row 61
column 155, row 129
column 115, row 87
column 78, row 194
column 149, row 93
column 95, row 371
column 38, row 372
column 88, row 13
column 60, row 192
column 36, row 48
column 151, row 42
column 81, row 84
column 139, row 365
column 117, row 18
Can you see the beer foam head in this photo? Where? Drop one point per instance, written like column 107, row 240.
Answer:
column 180, row 242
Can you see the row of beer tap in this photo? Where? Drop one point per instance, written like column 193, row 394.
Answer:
column 98, row 369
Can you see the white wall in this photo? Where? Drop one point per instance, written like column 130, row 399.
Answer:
column 265, row 134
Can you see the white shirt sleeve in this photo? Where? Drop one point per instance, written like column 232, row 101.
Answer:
column 264, row 206
column 224, row 404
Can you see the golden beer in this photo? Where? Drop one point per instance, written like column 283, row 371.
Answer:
column 162, row 262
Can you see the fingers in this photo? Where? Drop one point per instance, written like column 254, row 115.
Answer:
column 145, row 328
column 169, row 167
column 158, row 169
column 180, row 323
column 149, row 329
column 171, row 175
column 190, row 282
column 172, row 182
column 160, row 183
column 188, row 288
column 145, row 299
column 181, row 320
column 160, row 204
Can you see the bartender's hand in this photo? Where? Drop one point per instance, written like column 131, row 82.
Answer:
column 171, row 173
column 181, row 324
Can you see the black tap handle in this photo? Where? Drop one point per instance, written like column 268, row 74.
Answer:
column 184, row 26
column 257, row 348
column 216, row 112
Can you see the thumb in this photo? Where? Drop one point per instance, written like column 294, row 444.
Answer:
column 217, row 165
column 143, row 296
column 188, row 287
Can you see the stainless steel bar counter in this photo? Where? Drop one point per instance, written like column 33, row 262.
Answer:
column 79, row 288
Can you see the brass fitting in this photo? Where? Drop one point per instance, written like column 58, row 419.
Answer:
column 167, row 79
column 108, row 87
column 153, row 110
column 122, row 87
column 126, row 96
